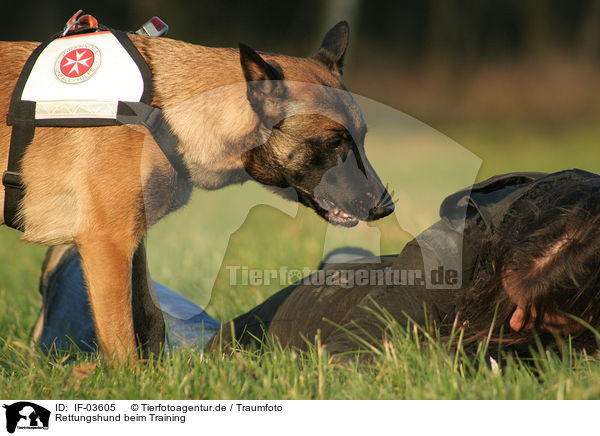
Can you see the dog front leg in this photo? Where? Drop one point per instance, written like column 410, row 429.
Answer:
column 148, row 322
column 107, row 268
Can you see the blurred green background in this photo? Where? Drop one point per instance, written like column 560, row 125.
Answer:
column 454, row 91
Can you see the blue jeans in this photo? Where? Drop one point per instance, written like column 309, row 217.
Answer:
column 67, row 317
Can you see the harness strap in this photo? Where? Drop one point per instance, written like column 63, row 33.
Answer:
column 128, row 113
column 22, row 135
column 21, row 116
column 152, row 118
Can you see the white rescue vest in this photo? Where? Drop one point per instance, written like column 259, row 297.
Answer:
column 83, row 76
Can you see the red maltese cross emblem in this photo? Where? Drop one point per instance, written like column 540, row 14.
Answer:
column 77, row 64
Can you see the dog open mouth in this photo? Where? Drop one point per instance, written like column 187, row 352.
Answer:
column 334, row 214
column 324, row 207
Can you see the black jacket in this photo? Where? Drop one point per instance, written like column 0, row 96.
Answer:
column 452, row 244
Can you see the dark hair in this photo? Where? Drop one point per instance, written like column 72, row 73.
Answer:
column 547, row 248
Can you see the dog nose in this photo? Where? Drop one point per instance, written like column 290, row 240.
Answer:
column 381, row 211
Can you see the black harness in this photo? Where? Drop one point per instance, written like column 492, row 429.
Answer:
column 21, row 116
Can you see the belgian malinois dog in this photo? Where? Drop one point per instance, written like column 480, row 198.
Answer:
column 102, row 187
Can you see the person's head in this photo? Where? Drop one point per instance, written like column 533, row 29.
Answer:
column 540, row 271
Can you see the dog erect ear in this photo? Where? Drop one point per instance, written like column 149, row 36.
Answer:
column 334, row 45
column 255, row 67
column 265, row 89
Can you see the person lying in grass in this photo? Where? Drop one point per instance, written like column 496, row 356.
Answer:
column 513, row 260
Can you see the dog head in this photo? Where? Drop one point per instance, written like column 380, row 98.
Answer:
column 316, row 141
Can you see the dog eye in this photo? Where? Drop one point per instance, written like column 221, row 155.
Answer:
column 334, row 143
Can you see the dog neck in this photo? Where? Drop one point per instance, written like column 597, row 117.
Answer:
column 202, row 93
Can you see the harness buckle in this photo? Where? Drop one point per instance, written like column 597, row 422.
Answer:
column 153, row 27
column 12, row 179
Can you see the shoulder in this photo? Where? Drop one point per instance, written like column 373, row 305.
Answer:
column 492, row 198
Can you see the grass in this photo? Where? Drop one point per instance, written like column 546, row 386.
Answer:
column 246, row 225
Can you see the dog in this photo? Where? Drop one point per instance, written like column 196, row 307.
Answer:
column 286, row 122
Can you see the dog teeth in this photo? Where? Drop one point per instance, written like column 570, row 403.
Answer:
column 340, row 213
